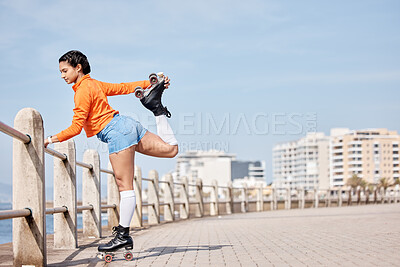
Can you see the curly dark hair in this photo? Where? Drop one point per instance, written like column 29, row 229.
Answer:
column 75, row 57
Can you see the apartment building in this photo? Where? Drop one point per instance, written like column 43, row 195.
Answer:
column 370, row 154
column 218, row 165
column 302, row 163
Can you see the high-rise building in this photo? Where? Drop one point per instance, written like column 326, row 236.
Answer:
column 248, row 173
column 251, row 169
column 207, row 165
column 303, row 163
column 370, row 154
column 318, row 161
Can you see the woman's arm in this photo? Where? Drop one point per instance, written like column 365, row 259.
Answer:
column 111, row 89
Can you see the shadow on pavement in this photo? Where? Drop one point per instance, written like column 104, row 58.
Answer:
column 158, row 251
column 69, row 262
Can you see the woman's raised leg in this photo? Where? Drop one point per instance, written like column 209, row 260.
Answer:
column 152, row 145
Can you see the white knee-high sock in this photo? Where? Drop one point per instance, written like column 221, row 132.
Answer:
column 126, row 207
column 165, row 131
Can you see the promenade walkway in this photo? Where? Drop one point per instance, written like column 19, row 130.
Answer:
column 346, row 236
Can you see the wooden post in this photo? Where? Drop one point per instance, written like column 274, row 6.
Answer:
column 272, row 197
column 340, row 200
column 316, row 197
column 260, row 198
column 214, row 199
column 274, row 202
column 113, row 198
column 298, row 194
column 137, row 186
column 169, row 209
column 199, row 211
column 153, row 199
column 288, row 199
column 349, row 200
column 65, row 224
column 302, row 201
column 382, row 195
column 328, row 197
column 91, row 195
column 184, row 193
column 229, row 204
column 244, row 197
column 29, row 234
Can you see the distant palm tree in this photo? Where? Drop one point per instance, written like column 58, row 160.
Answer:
column 384, row 183
column 355, row 181
column 370, row 187
column 363, row 183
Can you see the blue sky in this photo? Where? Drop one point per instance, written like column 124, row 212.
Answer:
column 245, row 74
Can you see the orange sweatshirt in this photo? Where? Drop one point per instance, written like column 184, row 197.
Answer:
column 92, row 111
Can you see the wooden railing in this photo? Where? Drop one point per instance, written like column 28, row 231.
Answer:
column 175, row 200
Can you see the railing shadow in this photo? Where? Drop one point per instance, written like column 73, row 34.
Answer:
column 159, row 251
column 69, row 262
column 155, row 252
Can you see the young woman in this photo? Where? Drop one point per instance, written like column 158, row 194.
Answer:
column 124, row 135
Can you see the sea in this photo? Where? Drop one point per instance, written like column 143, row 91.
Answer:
column 6, row 225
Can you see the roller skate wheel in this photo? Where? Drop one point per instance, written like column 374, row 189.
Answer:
column 139, row 92
column 108, row 258
column 153, row 78
column 128, row 256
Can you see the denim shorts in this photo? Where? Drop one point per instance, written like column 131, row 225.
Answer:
column 121, row 133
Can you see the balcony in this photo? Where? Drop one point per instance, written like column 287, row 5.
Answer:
column 337, row 157
column 337, row 145
column 338, row 176
column 355, row 149
column 356, row 169
column 340, row 163
column 355, row 162
column 355, row 143
column 353, row 155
